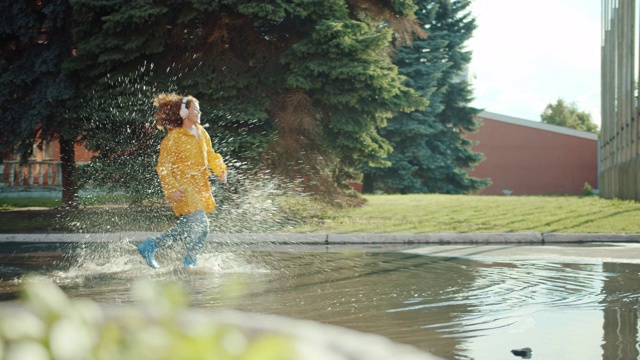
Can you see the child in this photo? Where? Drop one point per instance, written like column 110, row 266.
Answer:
column 185, row 162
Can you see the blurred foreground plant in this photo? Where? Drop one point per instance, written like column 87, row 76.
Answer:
column 56, row 327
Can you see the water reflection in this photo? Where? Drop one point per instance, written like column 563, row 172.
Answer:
column 453, row 307
column 621, row 310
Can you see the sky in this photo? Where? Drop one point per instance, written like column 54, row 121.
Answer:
column 528, row 54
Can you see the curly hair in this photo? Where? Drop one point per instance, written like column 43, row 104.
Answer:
column 168, row 114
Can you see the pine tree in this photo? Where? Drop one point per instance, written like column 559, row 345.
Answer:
column 311, row 76
column 357, row 89
column 431, row 153
column 34, row 90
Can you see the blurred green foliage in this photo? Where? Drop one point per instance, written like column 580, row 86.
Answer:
column 56, row 327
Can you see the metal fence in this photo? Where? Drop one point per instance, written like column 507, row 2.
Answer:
column 619, row 137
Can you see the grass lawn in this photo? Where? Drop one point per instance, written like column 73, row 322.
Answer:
column 469, row 214
column 381, row 214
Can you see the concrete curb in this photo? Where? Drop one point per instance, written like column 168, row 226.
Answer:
column 342, row 239
column 573, row 238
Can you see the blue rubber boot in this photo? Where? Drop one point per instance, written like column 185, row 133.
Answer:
column 190, row 262
column 147, row 249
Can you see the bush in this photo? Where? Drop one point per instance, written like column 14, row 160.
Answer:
column 587, row 190
column 56, row 327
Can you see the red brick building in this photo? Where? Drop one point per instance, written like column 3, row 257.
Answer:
column 526, row 157
column 51, row 152
column 42, row 170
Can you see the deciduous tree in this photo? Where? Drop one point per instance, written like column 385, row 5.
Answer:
column 568, row 115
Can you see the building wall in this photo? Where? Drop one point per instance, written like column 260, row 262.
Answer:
column 531, row 158
column 620, row 135
column 621, row 181
column 39, row 172
column 51, row 152
column 81, row 153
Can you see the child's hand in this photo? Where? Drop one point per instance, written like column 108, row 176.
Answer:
column 223, row 177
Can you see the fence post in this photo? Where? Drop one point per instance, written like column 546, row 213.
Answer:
column 58, row 174
column 12, row 173
column 30, row 176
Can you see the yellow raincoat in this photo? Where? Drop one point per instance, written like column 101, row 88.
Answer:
column 185, row 163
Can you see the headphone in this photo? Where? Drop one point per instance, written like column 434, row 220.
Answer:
column 184, row 112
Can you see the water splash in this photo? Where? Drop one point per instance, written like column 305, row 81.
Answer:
column 105, row 271
column 121, row 192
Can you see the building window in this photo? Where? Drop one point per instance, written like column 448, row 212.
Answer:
column 48, row 150
column 44, row 153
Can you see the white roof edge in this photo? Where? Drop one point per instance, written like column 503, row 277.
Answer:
column 538, row 125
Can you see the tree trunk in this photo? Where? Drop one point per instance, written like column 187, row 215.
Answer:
column 367, row 183
column 68, row 165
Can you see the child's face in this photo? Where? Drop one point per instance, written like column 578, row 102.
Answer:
column 194, row 113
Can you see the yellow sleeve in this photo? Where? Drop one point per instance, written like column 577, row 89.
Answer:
column 214, row 159
column 164, row 167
